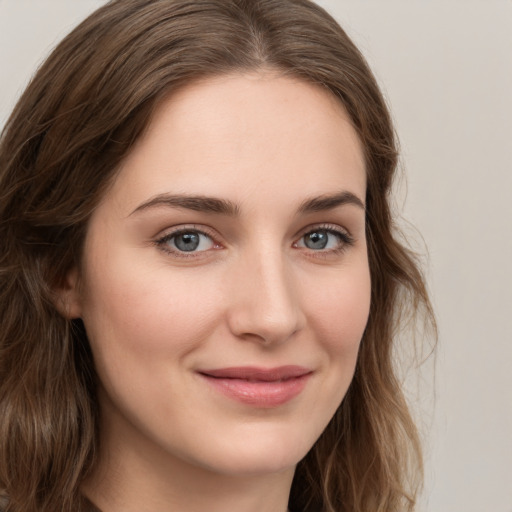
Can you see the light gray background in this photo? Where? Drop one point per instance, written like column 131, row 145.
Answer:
column 446, row 69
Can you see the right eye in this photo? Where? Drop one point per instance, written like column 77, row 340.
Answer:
column 186, row 241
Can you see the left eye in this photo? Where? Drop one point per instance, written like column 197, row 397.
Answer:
column 188, row 241
column 321, row 239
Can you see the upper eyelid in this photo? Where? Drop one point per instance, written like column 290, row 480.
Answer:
column 165, row 235
column 160, row 241
column 206, row 230
column 213, row 234
column 324, row 226
column 343, row 235
column 170, row 232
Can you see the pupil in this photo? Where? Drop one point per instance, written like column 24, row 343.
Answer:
column 316, row 240
column 187, row 241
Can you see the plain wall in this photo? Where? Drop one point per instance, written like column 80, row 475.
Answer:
column 446, row 69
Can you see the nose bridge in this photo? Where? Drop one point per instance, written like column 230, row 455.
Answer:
column 265, row 300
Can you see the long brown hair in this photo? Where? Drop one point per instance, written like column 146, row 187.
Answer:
column 61, row 147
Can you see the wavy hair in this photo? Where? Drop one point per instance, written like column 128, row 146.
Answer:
column 60, row 149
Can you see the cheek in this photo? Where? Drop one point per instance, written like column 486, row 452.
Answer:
column 337, row 315
column 137, row 312
column 339, row 310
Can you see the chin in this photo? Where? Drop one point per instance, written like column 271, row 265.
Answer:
column 257, row 451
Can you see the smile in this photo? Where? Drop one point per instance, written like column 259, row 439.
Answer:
column 259, row 387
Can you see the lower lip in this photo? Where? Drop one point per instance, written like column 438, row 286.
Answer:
column 259, row 393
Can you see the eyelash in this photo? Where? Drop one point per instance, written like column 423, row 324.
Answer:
column 162, row 242
column 344, row 238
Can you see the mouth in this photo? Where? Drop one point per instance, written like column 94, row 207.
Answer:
column 258, row 387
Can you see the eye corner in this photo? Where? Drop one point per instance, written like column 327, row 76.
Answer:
column 196, row 242
column 324, row 245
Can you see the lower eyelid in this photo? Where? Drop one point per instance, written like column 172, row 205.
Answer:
column 344, row 242
column 344, row 237
column 162, row 242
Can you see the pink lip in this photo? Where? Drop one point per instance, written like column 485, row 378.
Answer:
column 259, row 387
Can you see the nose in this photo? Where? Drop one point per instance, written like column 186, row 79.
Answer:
column 264, row 303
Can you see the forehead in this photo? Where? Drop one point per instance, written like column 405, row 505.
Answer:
column 235, row 135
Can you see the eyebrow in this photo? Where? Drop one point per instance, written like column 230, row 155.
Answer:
column 329, row 202
column 195, row 203
column 225, row 207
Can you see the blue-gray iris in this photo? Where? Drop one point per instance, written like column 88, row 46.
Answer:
column 187, row 241
column 316, row 240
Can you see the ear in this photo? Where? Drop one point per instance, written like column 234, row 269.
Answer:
column 67, row 296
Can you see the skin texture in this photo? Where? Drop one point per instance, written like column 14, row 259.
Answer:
column 252, row 294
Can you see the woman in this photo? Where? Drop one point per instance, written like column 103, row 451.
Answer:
column 199, row 279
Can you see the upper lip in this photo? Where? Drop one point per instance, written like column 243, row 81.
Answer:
column 255, row 373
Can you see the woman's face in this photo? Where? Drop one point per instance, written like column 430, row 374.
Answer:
column 225, row 284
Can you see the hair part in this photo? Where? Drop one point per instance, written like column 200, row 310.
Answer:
column 60, row 150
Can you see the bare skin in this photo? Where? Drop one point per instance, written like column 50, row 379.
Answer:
column 233, row 237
